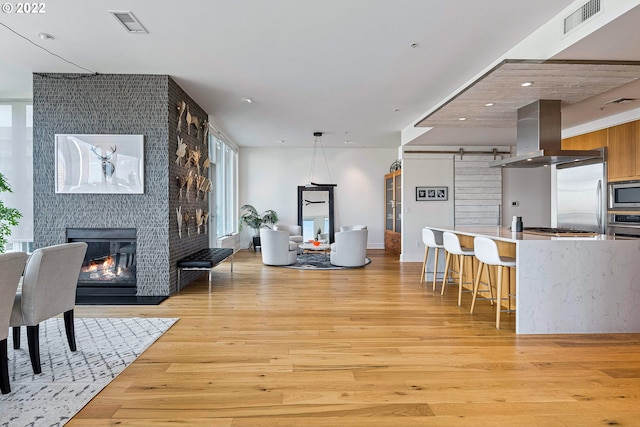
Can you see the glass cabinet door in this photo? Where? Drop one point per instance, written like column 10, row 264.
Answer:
column 388, row 189
column 398, row 203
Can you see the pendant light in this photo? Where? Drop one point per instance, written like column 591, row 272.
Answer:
column 318, row 141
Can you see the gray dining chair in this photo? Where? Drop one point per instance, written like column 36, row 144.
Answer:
column 11, row 268
column 48, row 289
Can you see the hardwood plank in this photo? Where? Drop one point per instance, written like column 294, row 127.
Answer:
column 280, row 347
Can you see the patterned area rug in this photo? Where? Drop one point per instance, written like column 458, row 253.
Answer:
column 318, row 261
column 70, row 379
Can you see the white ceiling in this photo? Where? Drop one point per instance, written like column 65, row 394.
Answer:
column 344, row 67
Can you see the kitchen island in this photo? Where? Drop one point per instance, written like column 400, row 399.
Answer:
column 570, row 285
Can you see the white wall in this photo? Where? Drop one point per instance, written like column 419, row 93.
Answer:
column 269, row 179
column 424, row 170
column 531, row 188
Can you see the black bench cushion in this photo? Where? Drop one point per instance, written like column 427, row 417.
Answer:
column 205, row 258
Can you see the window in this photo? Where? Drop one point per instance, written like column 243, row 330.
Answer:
column 16, row 164
column 226, row 186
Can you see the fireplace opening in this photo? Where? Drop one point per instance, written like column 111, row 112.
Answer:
column 109, row 266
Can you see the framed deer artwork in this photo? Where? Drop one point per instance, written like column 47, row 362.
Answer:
column 99, row 164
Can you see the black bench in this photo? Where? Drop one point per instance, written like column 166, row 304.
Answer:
column 204, row 259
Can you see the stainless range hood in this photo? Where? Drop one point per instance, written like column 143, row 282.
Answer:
column 539, row 139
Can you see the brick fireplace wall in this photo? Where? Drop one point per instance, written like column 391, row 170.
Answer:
column 114, row 104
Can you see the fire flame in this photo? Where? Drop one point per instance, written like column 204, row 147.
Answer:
column 106, row 269
column 91, row 267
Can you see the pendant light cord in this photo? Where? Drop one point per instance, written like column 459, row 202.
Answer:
column 313, row 159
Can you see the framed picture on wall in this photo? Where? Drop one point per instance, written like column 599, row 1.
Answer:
column 99, row 164
column 432, row 193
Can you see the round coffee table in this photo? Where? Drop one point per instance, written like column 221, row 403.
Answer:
column 322, row 247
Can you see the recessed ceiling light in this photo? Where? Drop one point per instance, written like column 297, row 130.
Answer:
column 45, row 36
column 462, row 119
column 396, row 109
column 414, row 45
column 528, row 160
column 281, row 141
column 347, row 142
column 526, row 84
column 489, row 104
column 247, row 100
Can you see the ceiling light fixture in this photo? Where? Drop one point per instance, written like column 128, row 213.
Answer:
column 462, row 119
column 318, row 141
column 347, row 142
column 489, row 104
column 526, row 84
column 45, row 36
column 248, row 100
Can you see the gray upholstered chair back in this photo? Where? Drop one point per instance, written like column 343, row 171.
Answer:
column 49, row 283
column 11, row 268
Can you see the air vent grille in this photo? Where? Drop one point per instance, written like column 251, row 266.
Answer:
column 620, row 101
column 577, row 18
column 128, row 21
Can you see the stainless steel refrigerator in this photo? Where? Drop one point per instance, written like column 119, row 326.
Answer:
column 581, row 191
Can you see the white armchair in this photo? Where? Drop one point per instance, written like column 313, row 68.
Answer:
column 350, row 248
column 353, row 227
column 277, row 249
column 295, row 231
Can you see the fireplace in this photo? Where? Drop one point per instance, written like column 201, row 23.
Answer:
column 109, row 266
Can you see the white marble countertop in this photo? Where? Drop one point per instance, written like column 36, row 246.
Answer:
column 506, row 235
column 571, row 285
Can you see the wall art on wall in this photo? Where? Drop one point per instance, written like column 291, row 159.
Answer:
column 432, row 193
column 99, row 164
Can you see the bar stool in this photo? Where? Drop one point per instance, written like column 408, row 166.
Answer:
column 430, row 240
column 452, row 246
column 487, row 253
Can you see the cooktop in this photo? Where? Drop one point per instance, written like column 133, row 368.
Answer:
column 547, row 231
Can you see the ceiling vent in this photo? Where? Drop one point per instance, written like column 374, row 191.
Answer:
column 129, row 22
column 582, row 14
column 620, row 101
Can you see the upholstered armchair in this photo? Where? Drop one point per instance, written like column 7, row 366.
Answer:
column 276, row 247
column 295, row 231
column 48, row 289
column 353, row 227
column 11, row 268
column 350, row 248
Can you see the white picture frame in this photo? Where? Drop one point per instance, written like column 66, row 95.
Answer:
column 99, row 164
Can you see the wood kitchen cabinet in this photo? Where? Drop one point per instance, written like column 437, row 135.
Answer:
column 623, row 157
column 587, row 141
column 622, row 154
column 393, row 212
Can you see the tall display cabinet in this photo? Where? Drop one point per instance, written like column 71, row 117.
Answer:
column 393, row 211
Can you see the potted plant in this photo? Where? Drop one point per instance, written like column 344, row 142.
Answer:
column 8, row 216
column 255, row 220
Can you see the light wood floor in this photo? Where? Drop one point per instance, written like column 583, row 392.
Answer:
column 364, row 347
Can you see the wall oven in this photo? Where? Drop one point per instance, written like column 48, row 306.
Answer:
column 624, row 225
column 624, row 195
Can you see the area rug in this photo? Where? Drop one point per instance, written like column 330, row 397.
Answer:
column 69, row 380
column 318, row 261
